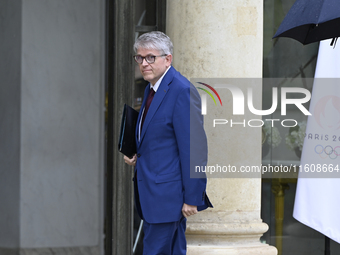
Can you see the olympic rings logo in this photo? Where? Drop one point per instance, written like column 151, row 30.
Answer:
column 327, row 151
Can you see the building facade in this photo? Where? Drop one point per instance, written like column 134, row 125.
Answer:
column 66, row 70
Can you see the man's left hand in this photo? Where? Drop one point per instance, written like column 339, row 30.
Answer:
column 188, row 210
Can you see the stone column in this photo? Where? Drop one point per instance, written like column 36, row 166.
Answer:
column 218, row 39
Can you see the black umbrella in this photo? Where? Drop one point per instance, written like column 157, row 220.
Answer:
column 311, row 21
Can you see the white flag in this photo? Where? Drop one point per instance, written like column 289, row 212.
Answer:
column 317, row 200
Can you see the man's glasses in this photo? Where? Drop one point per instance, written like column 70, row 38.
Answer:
column 150, row 59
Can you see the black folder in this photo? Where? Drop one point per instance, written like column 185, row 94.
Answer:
column 127, row 142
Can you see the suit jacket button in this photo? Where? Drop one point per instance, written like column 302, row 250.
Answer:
column 138, row 155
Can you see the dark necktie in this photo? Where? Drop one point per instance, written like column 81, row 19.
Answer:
column 147, row 104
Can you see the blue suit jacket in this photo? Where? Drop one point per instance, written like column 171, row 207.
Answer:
column 172, row 142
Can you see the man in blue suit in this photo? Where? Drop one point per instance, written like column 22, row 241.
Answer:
column 170, row 142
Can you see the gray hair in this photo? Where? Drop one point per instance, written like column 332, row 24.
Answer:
column 155, row 40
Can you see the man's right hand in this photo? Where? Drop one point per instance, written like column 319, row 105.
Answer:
column 131, row 161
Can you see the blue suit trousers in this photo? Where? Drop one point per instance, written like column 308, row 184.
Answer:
column 165, row 238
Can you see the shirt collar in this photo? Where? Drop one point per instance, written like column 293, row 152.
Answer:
column 156, row 86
